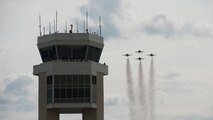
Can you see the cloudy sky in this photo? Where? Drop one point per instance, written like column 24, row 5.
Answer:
column 180, row 32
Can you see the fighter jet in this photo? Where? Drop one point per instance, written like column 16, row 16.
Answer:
column 151, row 55
column 127, row 55
column 139, row 51
column 139, row 58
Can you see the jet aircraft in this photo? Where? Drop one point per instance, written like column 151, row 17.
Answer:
column 127, row 55
column 151, row 54
column 139, row 58
column 139, row 51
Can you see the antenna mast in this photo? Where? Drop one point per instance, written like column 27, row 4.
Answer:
column 77, row 26
column 100, row 25
column 87, row 22
column 66, row 27
column 54, row 25
column 84, row 26
column 43, row 30
column 56, row 17
column 49, row 27
column 40, row 25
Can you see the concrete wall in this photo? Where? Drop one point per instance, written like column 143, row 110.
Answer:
column 70, row 39
column 44, row 113
column 70, row 68
column 53, row 114
column 89, row 114
column 68, row 36
column 42, row 90
column 100, row 96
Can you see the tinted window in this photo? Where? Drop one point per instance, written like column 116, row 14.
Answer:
column 90, row 53
column 69, row 80
column 63, row 93
column 97, row 55
column 64, row 51
column 56, row 93
column 69, row 93
column 79, row 52
column 75, row 52
column 87, row 92
column 72, row 88
column 94, row 54
column 48, row 54
column 49, row 80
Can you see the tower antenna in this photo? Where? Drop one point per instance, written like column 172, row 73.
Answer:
column 54, row 25
column 77, row 26
column 87, row 22
column 40, row 25
column 43, row 30
column 84, row 25
column 56, row 17
column 49, row 27
column 100, row 25
column 66, row 27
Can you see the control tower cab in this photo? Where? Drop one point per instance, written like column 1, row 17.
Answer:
column 71, row 77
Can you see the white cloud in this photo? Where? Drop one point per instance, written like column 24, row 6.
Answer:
column 1, row 52
column 190, row 117
column 171, row 74
column 115, row 100
column 21, row 115
column 19, row 95
column 107, row 9
column 165, row 25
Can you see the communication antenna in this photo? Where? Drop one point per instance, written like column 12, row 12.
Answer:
column 87, row 22
column 54, row 25
column 56, row 17
column 49, row 27
column 66, row 27
column 84, row 25
column 100, row 25
column 40, row 25
column 43, row 30
column 77, row 26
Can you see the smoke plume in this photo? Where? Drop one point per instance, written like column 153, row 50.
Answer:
column 152, row 92
column 142, row 94
column 130, row 92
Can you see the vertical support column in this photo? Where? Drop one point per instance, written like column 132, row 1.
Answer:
column 42, row 110
column 100, row 96
column 53, row 114
column 44, row 113
column 89, row 114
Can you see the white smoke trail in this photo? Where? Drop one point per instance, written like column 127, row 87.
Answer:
column 142, row 112
column 152, row 92
column 130, row 92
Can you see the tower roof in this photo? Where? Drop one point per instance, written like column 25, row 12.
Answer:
column 70, row 38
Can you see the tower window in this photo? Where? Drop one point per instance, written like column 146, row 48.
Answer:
column 49, row 89
column 69, row 53
column 94, row 54
column 73, row 88
column 49, row 80
column 94, row 80
column 48, row 54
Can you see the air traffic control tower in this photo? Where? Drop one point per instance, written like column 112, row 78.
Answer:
column 70, row 77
